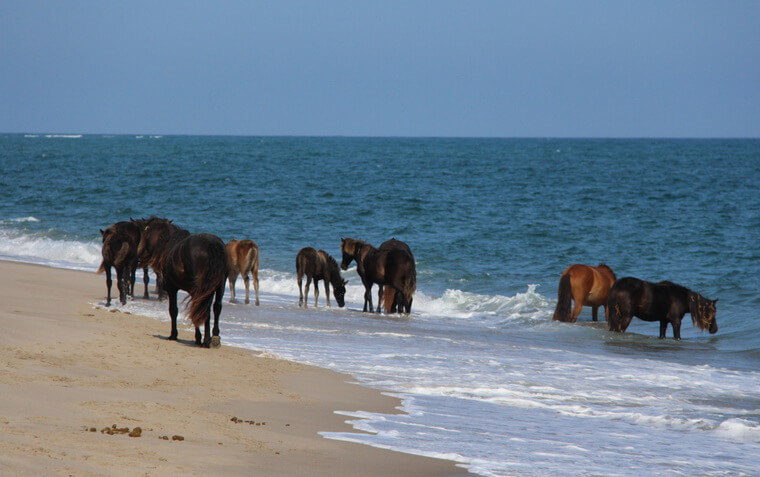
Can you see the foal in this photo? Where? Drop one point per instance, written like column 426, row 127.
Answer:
column 242, row 258
column 319, row 265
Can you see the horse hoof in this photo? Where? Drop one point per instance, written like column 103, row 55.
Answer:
column 216, row 341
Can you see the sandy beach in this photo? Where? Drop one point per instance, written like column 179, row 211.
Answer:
column 76, row 382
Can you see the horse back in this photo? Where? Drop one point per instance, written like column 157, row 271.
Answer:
column 242, row 255
column 310, row 262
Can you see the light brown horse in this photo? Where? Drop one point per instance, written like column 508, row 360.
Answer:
column 243, row 257
column 584, row 285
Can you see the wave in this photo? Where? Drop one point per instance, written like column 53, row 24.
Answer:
column 64, row 136
column 20, row 220
column 42, row 249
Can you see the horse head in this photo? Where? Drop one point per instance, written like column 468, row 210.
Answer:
column 703, row 312
column 339, row 293
column 350, row 249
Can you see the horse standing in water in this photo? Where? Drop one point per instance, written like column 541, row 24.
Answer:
column 319, row 265
column 389, row 297
column 665, row 302
column 157, row 239
column 198, row 265
column 140, row 223
column 394, row 268
column 585, row 285
column 119, row 251
column 243, row 256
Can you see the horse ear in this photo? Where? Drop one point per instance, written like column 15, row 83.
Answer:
column 101, row 232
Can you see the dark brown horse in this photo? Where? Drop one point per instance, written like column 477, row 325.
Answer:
column 389, row 297
column 394, row 268
column 665, row 302
column 119, row 251
column 586, row 286
column 243, row 257
column 319, row 265
column 198, row 265
column 157, row 239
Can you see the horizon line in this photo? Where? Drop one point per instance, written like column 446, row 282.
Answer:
column 361, row 136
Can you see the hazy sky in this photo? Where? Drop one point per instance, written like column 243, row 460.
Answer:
column 382, row 68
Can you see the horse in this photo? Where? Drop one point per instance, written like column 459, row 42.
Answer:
column 119, row 251
column 665, row 302
column 157, row 239
column 140, row 223
column 389, row 297
column 394, row 268
column 198, row 265
column 319, row 265
column 243, row 256
column 586, row 286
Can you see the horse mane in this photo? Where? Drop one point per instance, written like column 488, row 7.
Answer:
column 698, row 309
column 607, row 267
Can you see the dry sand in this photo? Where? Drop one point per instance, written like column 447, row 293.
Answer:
column 67, row 369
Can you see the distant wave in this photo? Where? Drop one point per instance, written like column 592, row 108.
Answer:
column 66, row 136
column 21, row 219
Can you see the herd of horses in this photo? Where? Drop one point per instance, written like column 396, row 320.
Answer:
column 666, row 302
column 201, row 264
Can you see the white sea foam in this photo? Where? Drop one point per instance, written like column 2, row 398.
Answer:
column 38, row 248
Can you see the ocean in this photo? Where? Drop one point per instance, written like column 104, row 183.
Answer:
column 485, row 376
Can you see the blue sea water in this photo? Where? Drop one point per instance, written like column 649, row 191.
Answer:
column 486, row 377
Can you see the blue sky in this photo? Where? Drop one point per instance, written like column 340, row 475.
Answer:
column 382, row 68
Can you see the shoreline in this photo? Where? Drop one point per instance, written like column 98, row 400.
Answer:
column 68, row 368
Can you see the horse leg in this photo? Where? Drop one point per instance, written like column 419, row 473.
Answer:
column 664, row 328
column 594, row 310
column 232, row 278
column 380, row 289
column 132, row 280
column 676, row 327
column 217, row 312
column 316, row 293
column 146, row 281
column 198, row 335
column 368, row 297
column 327, row 292
column 109, row 282
column 247, row 282
column 306, row 293
column 160, row 286
column 255, row 274
column 173, row 313
column 300, row 290
column 121, row 284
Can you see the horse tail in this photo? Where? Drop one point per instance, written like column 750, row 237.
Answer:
column 389, row 294
column 410, row 284
column 207, row 282
column 253, row 259
column 564, row 295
